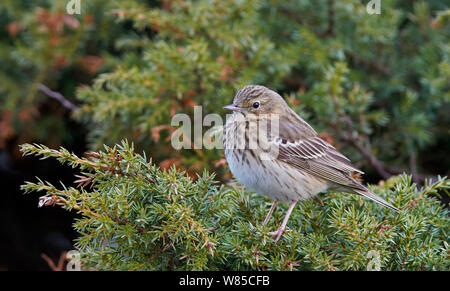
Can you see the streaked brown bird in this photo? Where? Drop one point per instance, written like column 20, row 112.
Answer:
column 273, row 151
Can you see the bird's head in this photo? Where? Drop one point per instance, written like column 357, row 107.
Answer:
column 256, row 99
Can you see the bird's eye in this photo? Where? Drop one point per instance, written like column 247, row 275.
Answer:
column 256, row 104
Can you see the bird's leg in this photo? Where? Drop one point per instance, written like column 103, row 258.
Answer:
column 272, row 208
column 318, row 200
column 277, row 234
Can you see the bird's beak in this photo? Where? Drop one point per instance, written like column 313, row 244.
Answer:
column 232, row 107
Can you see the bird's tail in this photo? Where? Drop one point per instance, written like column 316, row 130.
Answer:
column 372, row 196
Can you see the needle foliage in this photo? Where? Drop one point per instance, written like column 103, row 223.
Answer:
column 134, row 216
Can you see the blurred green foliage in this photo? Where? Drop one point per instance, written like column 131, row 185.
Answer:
column 42, row 45
column 379, row 83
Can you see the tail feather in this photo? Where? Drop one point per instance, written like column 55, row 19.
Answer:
column 372, row 196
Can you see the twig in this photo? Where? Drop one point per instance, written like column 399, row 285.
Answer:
column 52, row 265
column 329, row 31
column 58, row 96
column 413, row 164
column 371, row 158
column 417, row 177
column 125, row 222
column 372, row 65
column 383, row 170
column 293, row 15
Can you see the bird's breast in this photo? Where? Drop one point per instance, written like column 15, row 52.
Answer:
column 260, row 171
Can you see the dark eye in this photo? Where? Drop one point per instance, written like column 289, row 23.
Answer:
column 255, row 104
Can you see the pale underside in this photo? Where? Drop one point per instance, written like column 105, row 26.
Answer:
column 277, row 180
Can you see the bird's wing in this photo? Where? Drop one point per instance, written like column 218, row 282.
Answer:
column 317, row 157
column 299, row 146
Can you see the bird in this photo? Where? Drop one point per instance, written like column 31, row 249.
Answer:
column 271, row 150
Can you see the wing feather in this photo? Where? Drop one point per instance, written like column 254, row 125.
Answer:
column 317, row 157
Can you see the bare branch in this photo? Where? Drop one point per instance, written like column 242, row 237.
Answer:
column 52, row 264
column 382, row 169
column 57, row 96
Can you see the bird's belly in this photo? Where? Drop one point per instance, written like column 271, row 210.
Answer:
column 276, row 179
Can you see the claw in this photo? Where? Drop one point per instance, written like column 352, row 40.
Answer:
column 276, row 235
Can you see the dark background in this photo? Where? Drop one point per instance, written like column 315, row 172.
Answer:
column 26, row 231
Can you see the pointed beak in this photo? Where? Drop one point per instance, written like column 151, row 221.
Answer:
column 232, row 107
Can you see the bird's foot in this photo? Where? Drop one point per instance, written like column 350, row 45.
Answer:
column 277, row 234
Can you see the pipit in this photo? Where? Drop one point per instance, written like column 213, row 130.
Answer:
column 273, row 151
